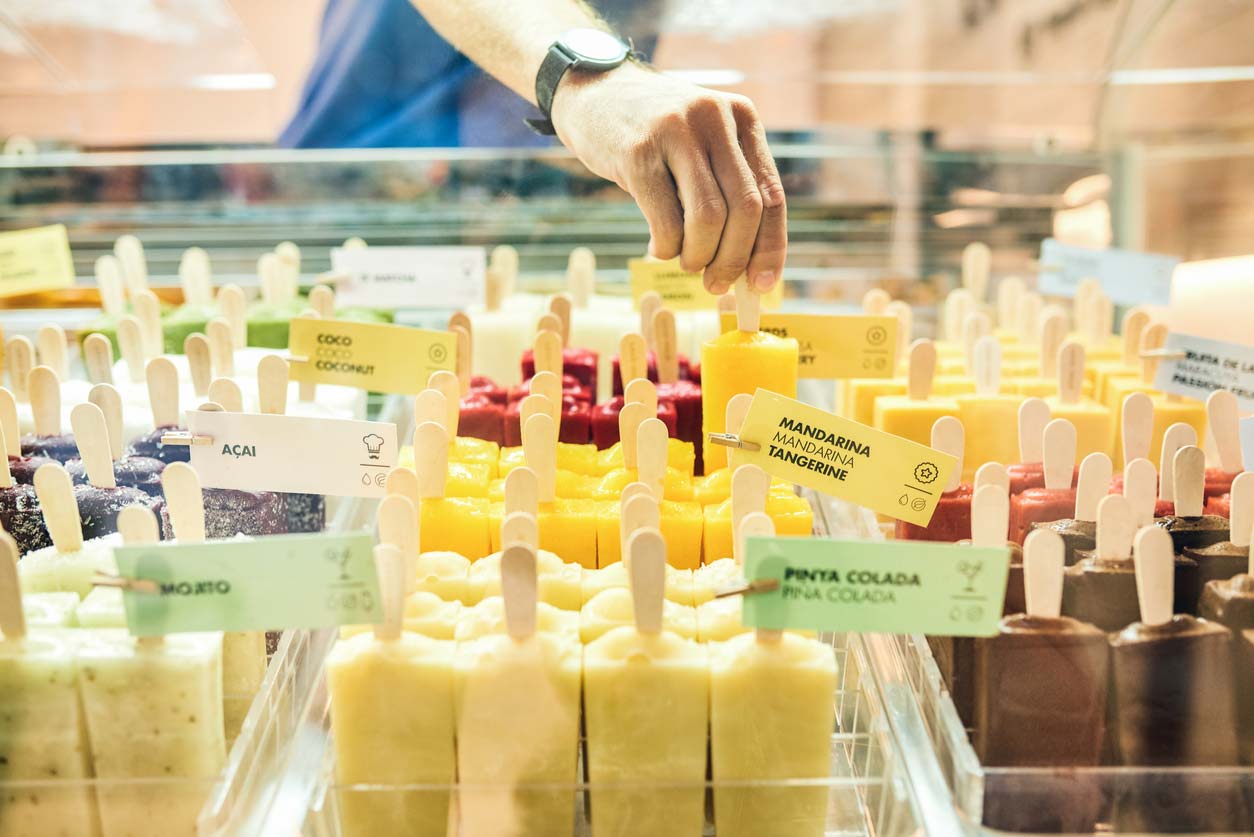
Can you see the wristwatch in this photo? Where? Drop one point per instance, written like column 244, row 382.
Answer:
column 582, row 49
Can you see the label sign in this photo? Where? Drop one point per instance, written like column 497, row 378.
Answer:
column 411, row 277
column 1128, row 277
column 831, row 346
column 1207, row 365
column 370, row 356
column 679, row 289
column 1247, row 443
column 255, row 452
column 287, row 581
column 876, row 586
column 840, row 457
column 35, row 260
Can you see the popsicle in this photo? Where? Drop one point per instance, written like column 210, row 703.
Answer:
column 43, row 738
column 646, row 705
column 269, row 319
column 481, row 407
column 579, row 363
column 676, row 483
column 1128, row 365
column 439, row 403
column 1057, row 499
column 604, row 418
column 990, row 527
column 100, row 500
column 306, row 513
column 504, row 327
column 70, row 563
column 913, row 415
column 771, row 718
column 986, row 415
column 163, row 394
column 568, row 528
column 742, row 361
column 195, row 277
column 1173, row 693
column 684, row 396
column 1187, row 525
column 21, row 468
column 1221, row 561
column 1080, row 532
column 1094, row 422
column 20, row 515
column 108, row 273
column 444, row 574
column 446, row 524
column 138, row 472
column 45, row 398
column 1040, row 701
column 1223, row 418
column 1050, row 332
column 1101, row 588
column 517, row 708
column 951, row 521
column 487, row 618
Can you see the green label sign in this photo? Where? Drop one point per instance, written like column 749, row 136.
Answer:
column 288, row 581
column 876, row 586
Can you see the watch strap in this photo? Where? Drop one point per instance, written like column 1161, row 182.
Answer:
column 556, row 62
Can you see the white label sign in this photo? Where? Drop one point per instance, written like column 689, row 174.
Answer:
column 1128, row 277
column 411, row 277
column 1247, row 443
column 261, row 452
column 1207, row 365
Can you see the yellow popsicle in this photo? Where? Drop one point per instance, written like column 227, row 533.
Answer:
column 791, row 514
column 612, row 609
column 487, row 618
column 443, row 574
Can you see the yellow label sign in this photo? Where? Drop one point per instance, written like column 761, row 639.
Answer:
column 679, row 289
column 835, row 346
column 840, row 457
column 369, row 356
column 35, row 260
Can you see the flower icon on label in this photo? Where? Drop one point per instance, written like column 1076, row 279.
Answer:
column 926, row 472
column 374, row 444
column 437, row 353
column 876, row 335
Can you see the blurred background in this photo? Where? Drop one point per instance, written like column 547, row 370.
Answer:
column 905, row 128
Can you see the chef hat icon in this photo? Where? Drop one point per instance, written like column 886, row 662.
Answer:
column 374, row 443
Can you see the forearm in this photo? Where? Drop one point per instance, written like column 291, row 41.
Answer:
column 508, row 38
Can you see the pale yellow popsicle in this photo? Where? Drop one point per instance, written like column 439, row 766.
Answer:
column 612, row 609
column 487, row 618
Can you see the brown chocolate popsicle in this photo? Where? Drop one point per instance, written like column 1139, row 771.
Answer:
column 1222, row 561
column 1188, row 527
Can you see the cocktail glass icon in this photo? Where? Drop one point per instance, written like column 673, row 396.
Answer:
column 374, row 444
column 969, row 570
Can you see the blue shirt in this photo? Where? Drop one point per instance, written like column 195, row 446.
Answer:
column 383, row 78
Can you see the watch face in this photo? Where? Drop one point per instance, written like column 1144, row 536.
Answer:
column 594, row 47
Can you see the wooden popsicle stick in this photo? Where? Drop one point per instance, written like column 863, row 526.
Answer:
column 639, row 511
column 633, row 360
column 227, row 392
column 1189, row 470
column 547, row 351
column 1009, row 294
column 109, row 280
column 1134, row 323
column 749, row 486
column 430, row 405
column 202, row 277
column 1096, row 471
column 107, row 398
column 520, row 527
column 397, row 519
column 641, row 391
column 990, row 516
column 559, row 306
column 533, row 404
column 975, row 325
column 221, row 348
column 1030, row 309
column 20, row 359
column 737, row 408
column 92, row 436
column 12, row 617
column 549, row 385
column 184, row 501
column 9, row 423
column 504, row 260
column 1152, row 338
column 986, row 366
column 1140, row 489
column 519, row 590
column 905, row 327
column 163, row 392
column 646, row 552
column 269, row 278
column 389, row 563
column 289, row 269
column 629, row 421
column 992, row 473
column 757, row 525
column 550, row 322
column 1138, row 426
column 131, row 345
column 1059, row 454
column 430, row 459
column 460, row 319
column 666, row 346
column 748, row 306
column 948, row 436
column 322, row 300
column 1070, row 367
column 1103, row 320
column 187, row 280
column 633, row 489
column 649, row 304
column 1044, row 555
column 403, row 482
column 1154, row 559
column 98, row 359
column 540, row 452
column 651, row 455
column 921, row 370
column 272, row 375
column 522, row 491
column 1176, row 436
column 130, row 255
column 1223, row 417
column 447, row 383
column 958, row 304
column 6, row 475
column 875, row 302
column 1242, row 514
column 463, row 358
column 233, row 305
column 726, row 304
column 138, row 526
column 55, row 491
column 307, row 391
column 45, row 400
column 493, row 290
column 148, row 312
column 976, row 263
column 581, row 273
column 50, row 345
column 1053, row 333
column 356, row 242
column 199, row 362
column 1082, row 305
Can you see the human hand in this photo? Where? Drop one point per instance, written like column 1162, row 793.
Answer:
column 695, row 160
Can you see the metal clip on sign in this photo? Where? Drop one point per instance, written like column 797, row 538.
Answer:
column 729, row 440
column 182, row 437
column 136, row 585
